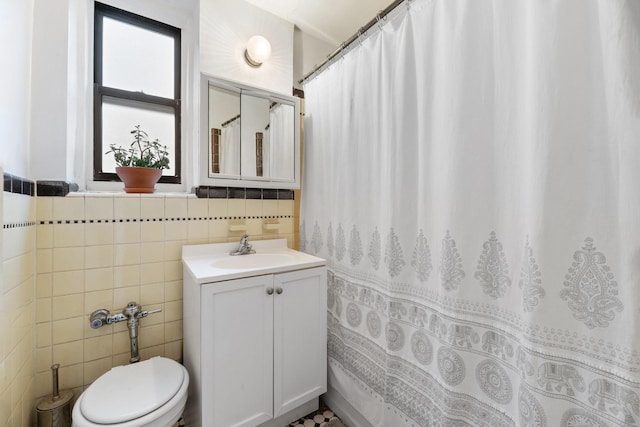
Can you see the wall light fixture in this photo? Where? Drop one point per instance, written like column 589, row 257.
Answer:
column 258, row 51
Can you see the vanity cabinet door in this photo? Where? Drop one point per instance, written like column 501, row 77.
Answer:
column 237, row 352
column 300, row 338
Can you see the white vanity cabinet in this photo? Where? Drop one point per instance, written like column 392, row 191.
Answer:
column 255, row 346
column 263, row 346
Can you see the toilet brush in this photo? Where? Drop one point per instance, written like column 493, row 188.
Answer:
column 55, row 410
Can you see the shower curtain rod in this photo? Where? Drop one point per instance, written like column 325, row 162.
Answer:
column 231, row 120
column 380, row 16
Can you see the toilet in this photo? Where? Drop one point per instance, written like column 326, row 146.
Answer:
column 150, row 393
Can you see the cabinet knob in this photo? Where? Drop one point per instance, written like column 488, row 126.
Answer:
column 269, row 291
column 278, row 290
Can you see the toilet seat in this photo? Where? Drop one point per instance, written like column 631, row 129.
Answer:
column 152, row 392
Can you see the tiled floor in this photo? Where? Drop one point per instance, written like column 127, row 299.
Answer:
column 323, row 417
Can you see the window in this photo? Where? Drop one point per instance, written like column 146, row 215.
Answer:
column 136, row 82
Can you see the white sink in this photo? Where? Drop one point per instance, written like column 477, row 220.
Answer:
column 212, row 262
column 253, row 261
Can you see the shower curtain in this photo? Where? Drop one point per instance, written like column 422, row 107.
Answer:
column 282, row 128
column 230, row 149
column 472, row 176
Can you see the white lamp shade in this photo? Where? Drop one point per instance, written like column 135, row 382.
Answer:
column 258, row 50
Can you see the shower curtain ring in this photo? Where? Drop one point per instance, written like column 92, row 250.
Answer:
column 359, row 36
column 378, row 19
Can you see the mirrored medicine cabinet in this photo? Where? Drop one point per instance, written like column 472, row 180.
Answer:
column 249, row 137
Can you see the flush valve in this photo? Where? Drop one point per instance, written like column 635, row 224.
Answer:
column 131, row 313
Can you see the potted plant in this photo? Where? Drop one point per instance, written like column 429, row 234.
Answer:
column 140, row 166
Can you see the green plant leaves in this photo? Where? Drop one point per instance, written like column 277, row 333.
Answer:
column 142, row 152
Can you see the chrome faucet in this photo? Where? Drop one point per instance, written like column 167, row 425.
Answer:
column 244, row 248
column 132, row 313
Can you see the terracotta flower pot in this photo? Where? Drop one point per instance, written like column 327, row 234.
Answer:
column 138, row 180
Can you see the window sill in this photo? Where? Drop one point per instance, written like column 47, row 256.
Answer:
column 111, row 189
column 107, row 194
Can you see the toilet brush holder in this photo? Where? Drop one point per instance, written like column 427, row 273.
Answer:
column 55, row 410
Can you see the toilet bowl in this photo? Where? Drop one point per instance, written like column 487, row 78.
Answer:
column 150, row 393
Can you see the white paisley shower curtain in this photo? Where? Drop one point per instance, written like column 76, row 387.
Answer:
column 281, row 119
column 230, row 148
column 472, row 176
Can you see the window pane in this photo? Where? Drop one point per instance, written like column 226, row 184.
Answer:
column 136, row 59
column 119, row 117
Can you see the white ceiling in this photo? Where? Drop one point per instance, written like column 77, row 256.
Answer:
column 333, row 21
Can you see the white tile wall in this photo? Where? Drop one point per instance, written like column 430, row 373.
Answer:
column 18, row 305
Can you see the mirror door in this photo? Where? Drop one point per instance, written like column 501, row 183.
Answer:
column 281, row 141
column 224, row 132
column 254, row 136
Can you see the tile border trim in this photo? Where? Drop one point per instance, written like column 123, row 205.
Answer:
column 198, row 218
column 208, row 192
column 19, row 185
column 55, row 188
column 19, row 225
column 62, row 188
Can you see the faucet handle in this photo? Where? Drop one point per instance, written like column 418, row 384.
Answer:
column 145, row 313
